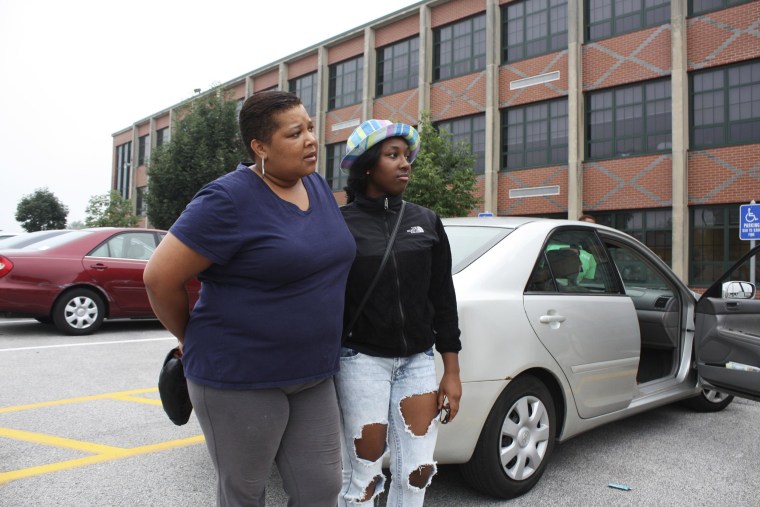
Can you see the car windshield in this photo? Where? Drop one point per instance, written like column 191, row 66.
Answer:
column 29, row 238
column 469, row 243
column 57, row 240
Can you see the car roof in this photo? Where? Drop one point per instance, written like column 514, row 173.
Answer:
column 513, row 222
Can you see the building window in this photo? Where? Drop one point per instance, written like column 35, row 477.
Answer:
column 471, row 130
column 533, row 27
column 702, row 6
column 629, row 120
column 306, row 89
column 346, row 83
column 654, row 228
column 124, row 168
column 459, row 48
column 535, row 135
column 336, row 178
column 143, row 150
column 162, row 136
column 398, row 67
column 140, row 208
column 613, row 17
column 726, row 105
column 715, row 242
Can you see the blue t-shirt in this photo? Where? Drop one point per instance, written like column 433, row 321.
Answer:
column 270, row 311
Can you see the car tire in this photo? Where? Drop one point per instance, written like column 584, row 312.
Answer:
column 521, row 430
column 709, row 400
column 79, row 312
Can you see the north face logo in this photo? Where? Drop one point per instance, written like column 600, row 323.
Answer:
column 416, row 230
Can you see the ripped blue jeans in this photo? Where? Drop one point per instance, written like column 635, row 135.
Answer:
column 370, row 393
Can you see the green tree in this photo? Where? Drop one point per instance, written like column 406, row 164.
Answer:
column 205, row 144
column 41, row 211
column 110, row 210
column 443, row 177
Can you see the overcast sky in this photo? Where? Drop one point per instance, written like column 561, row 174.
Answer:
column 74, row 72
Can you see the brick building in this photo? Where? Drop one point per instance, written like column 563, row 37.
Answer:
column 643, row 113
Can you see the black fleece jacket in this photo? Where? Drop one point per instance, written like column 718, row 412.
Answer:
column 413, row 305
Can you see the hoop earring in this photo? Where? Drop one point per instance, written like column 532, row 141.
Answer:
column 263, row 168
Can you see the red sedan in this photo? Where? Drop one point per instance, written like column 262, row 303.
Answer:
column 80, row 277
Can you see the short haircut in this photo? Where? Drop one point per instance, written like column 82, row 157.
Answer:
column 257, row 115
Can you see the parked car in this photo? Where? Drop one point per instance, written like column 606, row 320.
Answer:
column 77, row 278
column 8, row 234
column 568, row 325
column 27, row 238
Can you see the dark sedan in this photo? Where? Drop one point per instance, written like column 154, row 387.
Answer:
column 80, row 277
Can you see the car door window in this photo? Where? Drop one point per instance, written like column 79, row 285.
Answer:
column 573, row 261
column 130, row 245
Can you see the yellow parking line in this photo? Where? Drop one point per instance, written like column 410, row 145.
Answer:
column 137, row 399
column 68, row 443
column 118, row 453
column 77, row 400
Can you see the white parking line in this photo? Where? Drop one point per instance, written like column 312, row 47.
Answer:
column 86, row 344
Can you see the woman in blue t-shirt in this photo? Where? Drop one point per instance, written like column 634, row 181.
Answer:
column 261, row 346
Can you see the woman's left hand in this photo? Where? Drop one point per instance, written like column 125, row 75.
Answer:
column 450, row 387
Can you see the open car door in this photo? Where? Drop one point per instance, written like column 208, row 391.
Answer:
column 727, row 332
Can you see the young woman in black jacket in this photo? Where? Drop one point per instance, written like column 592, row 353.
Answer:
column 387, row 390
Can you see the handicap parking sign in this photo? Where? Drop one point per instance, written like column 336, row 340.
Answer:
column 749, row 221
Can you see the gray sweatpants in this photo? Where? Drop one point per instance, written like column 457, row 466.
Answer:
column 296, row 427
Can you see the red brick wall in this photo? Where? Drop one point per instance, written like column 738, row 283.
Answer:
column 528, row 178
column 724, row 175
column 454, row 11
column 725, row 36
column 345, row 50
column 143, row 129
column 529, row 68
column 305, row 65
column 397, row 31
column 162, row 121
column 400, row 106
column 338, row 116
column 627, row 58
column 267, row 80
column 461, row 96
column 631, row 182
column 236, row 92
column 141, row 176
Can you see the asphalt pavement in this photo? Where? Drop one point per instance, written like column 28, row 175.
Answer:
column 81, row 425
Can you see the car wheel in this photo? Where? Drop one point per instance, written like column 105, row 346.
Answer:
column 709, row 400
column 79, row 312
column 516, row 442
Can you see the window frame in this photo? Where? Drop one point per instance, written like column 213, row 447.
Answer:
column 480, row 155
column 724, row 4
column 143, row 149
column 647, row 134
column 333, row 173
column 729, row 241
column 395, row 83
column 475, row 62
column 548, row 149
column 337, row 74
column 614, row 18
column 642, row 229
column 552, row 6
column 298, row 85
column 726, row 123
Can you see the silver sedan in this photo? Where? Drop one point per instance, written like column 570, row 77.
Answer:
column 568, row 325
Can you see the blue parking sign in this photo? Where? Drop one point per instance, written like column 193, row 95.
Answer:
column 749, row 221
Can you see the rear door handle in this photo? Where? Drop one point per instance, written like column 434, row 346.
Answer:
column 99, row 266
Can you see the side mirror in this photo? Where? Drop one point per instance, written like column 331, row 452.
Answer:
column 738, row 290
